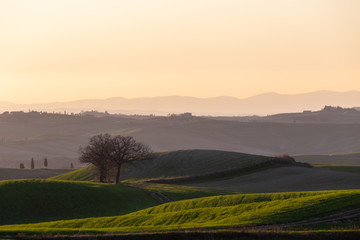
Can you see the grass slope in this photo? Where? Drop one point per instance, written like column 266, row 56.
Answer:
column 83, row 174
column 27, row 201
column 176, row 164
column 178, row 192
column 219, row 211
column 13, row 173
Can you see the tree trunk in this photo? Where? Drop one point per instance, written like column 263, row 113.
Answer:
column 102, row 176
column 118, row 174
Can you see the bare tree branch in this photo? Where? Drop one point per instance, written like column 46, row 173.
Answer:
column 106, row 152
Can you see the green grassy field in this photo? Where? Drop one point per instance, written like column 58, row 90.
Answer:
column 179, row 192
column 26, row 201
column 210, row 212
column 211, row 202
column 173, row 192
column 83, row 174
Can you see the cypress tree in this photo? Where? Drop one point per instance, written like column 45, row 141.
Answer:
column 32, row 163
column 45, row 162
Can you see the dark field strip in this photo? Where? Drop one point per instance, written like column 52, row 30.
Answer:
column 272, row 163
column 340, row 168
column 230, row 234
column 31, row 201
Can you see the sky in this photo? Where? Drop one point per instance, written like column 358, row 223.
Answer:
column 63, row 50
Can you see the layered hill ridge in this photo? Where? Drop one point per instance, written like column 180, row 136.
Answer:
column 33, row 135
column 229, row 171
column 327, row 115
column 180, row 164
column 69, row 207
column 220, row 211
column 262, row 104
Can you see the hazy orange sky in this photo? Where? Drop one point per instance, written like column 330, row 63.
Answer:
column 62, row 50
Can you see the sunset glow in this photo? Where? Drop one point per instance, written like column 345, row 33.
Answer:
column 68, row 50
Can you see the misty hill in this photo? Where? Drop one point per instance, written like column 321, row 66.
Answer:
column 328, row 114
column 58, row 137
column 263, row 104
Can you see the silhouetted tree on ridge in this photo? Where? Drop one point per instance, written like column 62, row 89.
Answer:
column 97, row 153
column 106, row 152
column 127, row 149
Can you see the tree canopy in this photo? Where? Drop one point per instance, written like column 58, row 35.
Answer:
column 108, row 152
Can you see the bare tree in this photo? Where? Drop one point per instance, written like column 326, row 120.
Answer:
column 106, row 152
column 126, row 150
column 98, row 152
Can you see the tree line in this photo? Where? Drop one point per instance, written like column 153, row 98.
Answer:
column 32, row 164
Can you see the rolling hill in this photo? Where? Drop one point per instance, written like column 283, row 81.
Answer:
column 190, row 163
column 29, row 201
column 13, row 173
column 326, row 115
column 26, row 136
column 284, row 179
column 219, row 211
column 69, row 207
column 182, row 163
column 58, row 137
column 227, row 171
column 83, row 174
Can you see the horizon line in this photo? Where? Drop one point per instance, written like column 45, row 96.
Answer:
column 181, row 96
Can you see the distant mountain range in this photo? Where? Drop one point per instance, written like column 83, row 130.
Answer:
column 263, row 104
